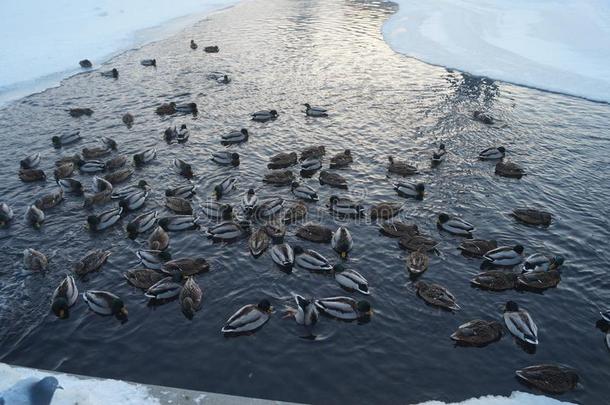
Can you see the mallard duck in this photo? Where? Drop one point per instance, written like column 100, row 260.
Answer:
column 190, row 298
column 409, row 190
column 228, row 231
column 114, row 73
column 540, row 262
column 249, row 202
column 493, row 153
column 476, row 247
column 345, row 207
column 127, row 120
column 226, row 158
column 342, row 159
column 478, row 333
column 211, row 49
column 439, row 155
column 85, row 63
column 6, row 214
column 296, row 212
column 187, row 108
column 141, row 224
column 311, row 260
column 350, row 280
column 66, row 139
column 143, row 278
column 344, row 308
column 93, row 261
column 63, row 171
column 153, row 259
column 315, row 111
column 248, row 318
column 454, row 225
column 134, row 201
column 105, row 303
column 166, row 109
column 417, row 242
column 186, row 266
column 30, row 175
column 225, row 187
column 30, row 162
column 276, row 230
column 306, row 312
column 283, row 255
column 223, row 79
column 179, row 205
column 315, row 233
column 282, row 160
column 34, row 260
column 64, row 296
column 279, row 177
column 165, row 289
column 50, row 200
column 235, row 137
column 158, row 239
column 94, row 153
column 179, row 223
column 342, row 241
column 483, row 117
column 258, row 242
column 269, row 208
column 437, row 295
column 509, row 169
column 397, row 229
column 401, row 168
column 182, row 168
column 80, row 112
column 385, row 210
column 495, row 280
column 100, row 184
column 332, row 179
column 118, row 176
column 70, row 185
column 34, row 216
column 310, row 166
column 105, row 219
column 68, row 159
column 109, row 143
column 193, row 45
column 549, row 378
column 170, row 135
column 148, row 62
column 125, row 192
column 304, row 191
column 520, row 323
column 417, row 262
column 312, row 152
column 539, row 280
column 264, row 116
column 504, row 256
column 186, row 191
column 532, row 216
column 146, row 156
column 214, row 210
column 91, row 166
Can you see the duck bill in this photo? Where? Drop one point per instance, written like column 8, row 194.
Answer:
column 343, row 255
column 124, row 311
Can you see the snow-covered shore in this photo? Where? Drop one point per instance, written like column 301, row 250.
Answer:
column 556, row 45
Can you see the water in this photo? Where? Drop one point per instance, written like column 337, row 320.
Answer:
column 327, row 53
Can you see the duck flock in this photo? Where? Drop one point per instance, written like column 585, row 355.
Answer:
column 264, row 223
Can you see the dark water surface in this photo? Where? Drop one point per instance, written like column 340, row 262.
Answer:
column 281, row 53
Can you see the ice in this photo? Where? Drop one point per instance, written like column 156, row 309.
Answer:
column 557, row 45
column 43, row 41
column 516, row 398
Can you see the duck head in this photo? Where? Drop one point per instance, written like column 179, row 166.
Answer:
column 442, row 218
column 56, row 141
column 298, row 250
column 218, row 191
column 118, row 308
column 502, row 149
column 518, row 249
column 115, row 73
column 273, row 113
column 60, row 307
column 244, row 131
column 511, row 306
column 93, row 221
column 294, row 185
column 132, row 230
column 338, row 268
column 333, row 199
column 420, row 188
column 364, row 308
column 264, row 305
column 307, row 106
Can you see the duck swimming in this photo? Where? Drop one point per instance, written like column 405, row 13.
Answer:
column 282, row 160
column 264, row 116
column 93, row 261
column 118, row 176
column 63, row 171
column 439, row 155
column 477, row 333
column 311, row 260
column 495, row 280
column 31, row 175
column 214, row 210
column 235, row 137
column 476, row 247
column 91, row 166
column 436, row 295
column 306, row 312
column 493, row 153
column 190, row 298
column 158, row 239
column 249, row 202
column 143, row 278
column 312, row 152
column 228, row 231
column 342, row 241
column 226, row 186
column 539, row 280
column 248, row 318
column 148, row 62
column 504, row 256
column 397, row 229
column 483, row 117
column 94, row 153
column 85, row 63
column 341, row 160
column 454, row 225
column 258, row 242
column 332, row 179
column 409, row 190
column 283, row 256
column 540, row 262
column 532, row 216
column 105, row 219
column 165, row 289
column 211, row 49
column 66, row 139
column 70, row 185
column 146, row 156
column 345, row 207
column 51, row 200
column 344, row 308
column 520, row 323
column 33, row 260
column 166, row 109
column 186, row 191
column 417, row 242
column 193, row 44
column 315, row 111
column 153, row 259
column 79, row 112
column 127, row 120
column 105, row 303
column 188, row 108
column 124, row 192
column 350, row 280
column 182, row 168
column 226, row 158
column 34, row 216
column 187, row 266
column 417, row 262
column 141, row 224
column 296, row 212
column 401, row 168
column 64, row 296
column 385, row 210
column 549, row 378
column 315, row 233
column 304, row 192
column 279, row 177
column 179, row 223
column 509, row 169
column 179, row 205
column 114, row 73
column 30, row 162
column 134, row 201
column 6, row 214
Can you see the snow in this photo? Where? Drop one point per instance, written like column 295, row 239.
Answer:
column 557, row 45
column 516, row 398
column 43, row 41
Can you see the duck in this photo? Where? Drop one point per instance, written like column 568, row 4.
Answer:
column 315, row 233
column 417, row 262
column 125, row 192
column 63, row 171
column 310, row 166
column 100, row 184
column 436, row 295
column 70, row 185
column 477, row 247
column 91, row 166
column 153, row 259
column 225, row 187
column 134, row 201
column 226, row 158
column 532, row 216
column 540, row 262
column 495, row 280
column 342, row 241
column 6, row 214
column 96, row 199
column 385, row 210
column 483, row 117
column 504, row 256
column 275, row 230
column 34, row 216
column 345, row 207
column 30, row 175
column 127, row 120
column 344, row 308
column 315, row 111
column 417, row 242
column 188, row 108
column 179, row 223
column 190, row 298
column 66, row 139
column 311, row 260
column 118, row 176
column 312, row 152
column 93, row 261
column 105, row 219
column 264, row 116
column 549, row 378
column 141, row 223
column 332, row 179
column 283, row 255
column 193, row 44
column 211, row 49
column 605, row 315
column 94, row 153
column 235, row 137
column 179, row 205
column 85, row 63
column 33, row 260
column 477, row 332
column 214, row 210
column 303, row 191
column 398, row 229
column 439, row 155
column 258, row 242
column 279, row 177
column 401, row 168
column 114, row 73
column 409, row 190
column 248, row 318
column 341, row 160
column 166, row 109
column 539, row 279
column 306, row 313
column 224, row 79
column 269, row 208
column 187, row 266
column 50, row 200
column 148, row 62
column 296, row 212
column 228, row 231
column 495, row 153
column 282, row 160
column 182, row 168
column 520, row 323
column 30, row 162
column 454, row 225
column 144, row 157
column 143, row 278
column 170, row 135
column 165, row 289
column 80, row 112
column 509, row 169
column 64, row 297
column 186, row 191
column 158, row 239
column 350, row 280
column 105, row 303
column 249, row 201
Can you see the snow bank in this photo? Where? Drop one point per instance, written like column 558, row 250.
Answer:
column 43, row 41
column 516, row 398
column 557, row 45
